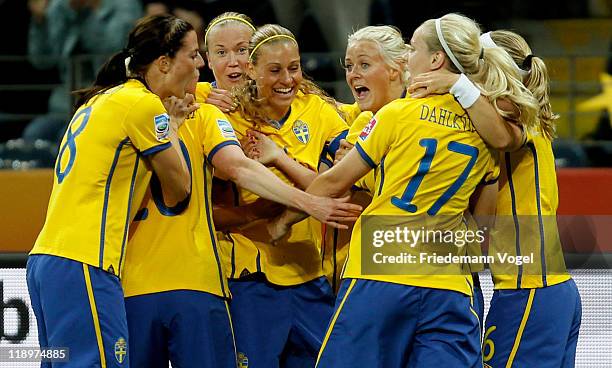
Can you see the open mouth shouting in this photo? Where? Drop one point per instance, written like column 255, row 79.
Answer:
column 361, row 92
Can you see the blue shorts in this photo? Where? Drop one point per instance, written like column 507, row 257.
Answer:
column 79, row 307
column 381, row 324
column 188, row 328
column 279, row 326
column 533, row 327
column 478, row 302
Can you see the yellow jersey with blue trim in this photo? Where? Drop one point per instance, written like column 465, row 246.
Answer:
column 309, row 126
column 203, row 89
column 430, row 160
column 526, row 222
column 334, row 249
column 100, row 176
column 350, row 112
column 175, row 248
column 368, row 181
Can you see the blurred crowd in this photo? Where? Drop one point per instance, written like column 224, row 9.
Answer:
column 56, row 34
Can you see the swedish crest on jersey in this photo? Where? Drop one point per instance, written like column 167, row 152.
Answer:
column 301, row 131
column 120, row 350
column 243, row 360
column 162, row 126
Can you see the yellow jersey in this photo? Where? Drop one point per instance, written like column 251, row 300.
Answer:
column 176, row 248
column 203, row 89
column 525, row 222
column 350, row 112
column 100, row 177
column 303, row 133
column 334, row 249
column 430, row 159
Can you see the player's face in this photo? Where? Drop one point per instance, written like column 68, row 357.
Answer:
column 183, row 73
column 278, row 74
column 368, row 75
column 419, row 56
column 228, row 53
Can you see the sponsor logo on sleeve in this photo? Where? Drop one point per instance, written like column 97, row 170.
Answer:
column 227, row 131
column 162, row 126
column 367, row 129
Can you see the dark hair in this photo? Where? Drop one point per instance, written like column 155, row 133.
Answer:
column 151, row 37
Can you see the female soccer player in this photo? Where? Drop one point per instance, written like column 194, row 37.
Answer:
column 118, row 134
column 376, row 71
column 174, row 283
column 526, row 325
column 281, row 301
column 376, row 65
column 424, row 315
column 226, row 45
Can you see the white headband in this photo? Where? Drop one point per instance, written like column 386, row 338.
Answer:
column 128, row 72
column 447, row 50
column 487, row 42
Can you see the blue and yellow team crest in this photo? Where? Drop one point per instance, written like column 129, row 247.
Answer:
column 120, row 350
column 243, row 360
column 300, row 129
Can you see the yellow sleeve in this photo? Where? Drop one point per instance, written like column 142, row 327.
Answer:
column 357, row 126
column 148, row 125
column 350, row 112
column 376, row 138
column 203, row 89
column 492, row 174
column 333, row 121
column 216, row 131
column 336, row 129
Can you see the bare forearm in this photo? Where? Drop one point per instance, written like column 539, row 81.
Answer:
column 493, row 128
column 255, row 178
column 173, row 173
column 323, row 185
column 298, row 174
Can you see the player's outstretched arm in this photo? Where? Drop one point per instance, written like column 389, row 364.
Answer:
column 254, row 177
column 262, row 149
column 334, row 182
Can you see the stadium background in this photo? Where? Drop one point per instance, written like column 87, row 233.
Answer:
column 573, row 37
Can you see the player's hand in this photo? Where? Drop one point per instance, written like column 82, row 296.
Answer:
column 277, row 229
column 344, row 148
column 435, row 82
column 179, row 109
column 222, row 99
column 334, row 211
column 259, row 147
